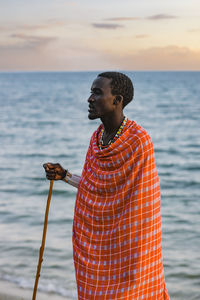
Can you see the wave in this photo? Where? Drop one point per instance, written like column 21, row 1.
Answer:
column 44, row 286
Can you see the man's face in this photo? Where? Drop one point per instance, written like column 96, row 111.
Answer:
column 101, row 99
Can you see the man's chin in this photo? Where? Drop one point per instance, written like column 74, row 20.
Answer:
column 92, row 116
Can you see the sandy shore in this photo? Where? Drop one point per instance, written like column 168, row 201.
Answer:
column 9, row 291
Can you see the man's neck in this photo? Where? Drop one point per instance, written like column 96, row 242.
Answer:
column 112, row 123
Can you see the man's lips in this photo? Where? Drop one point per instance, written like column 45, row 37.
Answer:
column 91, row 109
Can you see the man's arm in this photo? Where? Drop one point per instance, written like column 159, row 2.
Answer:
column 57, row 172
column 72, row 179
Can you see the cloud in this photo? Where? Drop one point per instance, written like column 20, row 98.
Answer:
column 3, row 28
column 194, row 30
column 119, row 19
column 52, row 23
column 160, row 17
column 152, row 18
column 67, row 56
column 106, row 26
column 157, row 58
column 49, row 24
column 22, row 40
column 141, row 36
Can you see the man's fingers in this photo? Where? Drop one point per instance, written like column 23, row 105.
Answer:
column 57, row 165
column 48, row 166
column 50, row 177
column 51, row 172
column 54, row 171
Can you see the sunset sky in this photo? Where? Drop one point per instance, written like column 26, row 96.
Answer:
column 78, row 35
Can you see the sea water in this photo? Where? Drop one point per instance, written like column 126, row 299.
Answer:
column 43, row 118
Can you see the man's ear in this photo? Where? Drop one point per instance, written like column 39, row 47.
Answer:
column 118, row 98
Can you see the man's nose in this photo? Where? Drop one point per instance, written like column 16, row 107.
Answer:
column 91, row 98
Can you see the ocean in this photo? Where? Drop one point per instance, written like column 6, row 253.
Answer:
column 43, row 118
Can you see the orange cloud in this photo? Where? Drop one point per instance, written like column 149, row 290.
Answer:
column 194, row 30
column 49, row 24
column 25, row 52
column 158, row 58
column 46, row 25
column 38, row 53
column 141, row 36
column 29, row 41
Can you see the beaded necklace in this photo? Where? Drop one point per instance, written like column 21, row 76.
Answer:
column 111, row 141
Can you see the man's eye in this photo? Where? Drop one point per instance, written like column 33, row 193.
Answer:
column 96, row 92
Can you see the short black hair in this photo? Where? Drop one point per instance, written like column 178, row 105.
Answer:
column 121, row 84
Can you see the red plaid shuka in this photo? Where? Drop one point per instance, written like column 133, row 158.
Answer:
column 117, row 221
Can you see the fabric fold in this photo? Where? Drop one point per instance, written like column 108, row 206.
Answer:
column 117, row 222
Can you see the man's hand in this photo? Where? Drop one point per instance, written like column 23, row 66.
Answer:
column 54, row 171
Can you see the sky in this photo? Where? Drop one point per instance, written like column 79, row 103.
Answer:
column 84, row 35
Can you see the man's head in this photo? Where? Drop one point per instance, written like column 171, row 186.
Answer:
column 110, row 93
column 120, row 85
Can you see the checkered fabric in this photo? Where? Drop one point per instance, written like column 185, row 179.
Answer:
column 117, row 222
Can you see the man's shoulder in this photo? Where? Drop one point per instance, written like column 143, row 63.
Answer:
column 138, row 133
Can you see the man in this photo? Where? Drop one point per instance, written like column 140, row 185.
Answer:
column 117, row 224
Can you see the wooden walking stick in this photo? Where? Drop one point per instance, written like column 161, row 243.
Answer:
column 43, row 241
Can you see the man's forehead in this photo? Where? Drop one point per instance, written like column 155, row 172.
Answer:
column 101, row 82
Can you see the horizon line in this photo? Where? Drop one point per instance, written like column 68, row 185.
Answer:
column 91, row 71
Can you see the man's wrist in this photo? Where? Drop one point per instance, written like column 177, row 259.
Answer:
column 67, row 176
